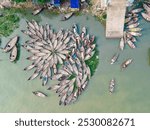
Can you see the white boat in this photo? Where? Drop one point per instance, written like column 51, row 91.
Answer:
column 146, row 16
column 131, row 44
column 146, row 7
column 133, row 25
column 13, row 54
column 39, row 94
column 135, row 29
column 37, row 11
column 67, row 16
column 114, row 58
column 138, row 10
column 122, row 44
column 112, row 85
column 133, row 21
column 126, row 63
column 11, row 44
column 135, row 34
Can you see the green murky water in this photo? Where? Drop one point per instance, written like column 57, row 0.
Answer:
column 133, row 85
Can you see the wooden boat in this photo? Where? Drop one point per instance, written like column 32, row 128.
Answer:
column 135, row 34
column 146, row 7
column 67, row 16
column 133, row 25
column 39, row 94
column 132, row 15
column 133, row 39
column 13, row 54
column 133, row 21
column 11, row 44
column 122, row 44
column 126, row 63
column 138, row 10
column 128, row 19
column 135, row 29
column 37, row 11
column 147, row 2
column 112, row 85
column 146, row 16
column 114, row 58
column 131, row 44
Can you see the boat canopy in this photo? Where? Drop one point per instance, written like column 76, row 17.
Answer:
column 74, row 3
column 57, row 2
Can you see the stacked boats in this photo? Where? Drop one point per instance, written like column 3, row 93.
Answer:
column 146, row 14
column 60, row 56
column 131, row 30
column 11, row 47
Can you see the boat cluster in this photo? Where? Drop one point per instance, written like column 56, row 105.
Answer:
column 146, row 14
column 60, row 56
column 11, row 47
column 131, row 30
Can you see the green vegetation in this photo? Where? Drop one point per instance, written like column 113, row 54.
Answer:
column 102, row 18
column 93, row 62
column 8, row 23
column 17, row 1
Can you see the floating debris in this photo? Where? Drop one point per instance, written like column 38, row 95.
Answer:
column 60, row 56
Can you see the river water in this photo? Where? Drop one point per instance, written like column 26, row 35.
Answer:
column 132, row 92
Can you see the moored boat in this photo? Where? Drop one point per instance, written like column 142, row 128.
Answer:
column 13, row 54
column 11, row 44
column 131, row 44
column 37, row 11
column 67, row 16
column 146, row 7
column 133, row 25
column 135, row 34
column 146, row 16
column 138, row 10
column 122, row 44
column 135, row 29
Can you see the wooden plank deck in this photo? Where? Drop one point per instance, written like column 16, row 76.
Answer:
column 115, row 18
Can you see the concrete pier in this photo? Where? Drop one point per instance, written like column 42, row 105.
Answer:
column 115, row 18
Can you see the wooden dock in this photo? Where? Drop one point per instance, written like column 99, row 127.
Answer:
column 115, row 18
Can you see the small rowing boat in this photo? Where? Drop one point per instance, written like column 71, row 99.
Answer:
column 126, row 63
column 67, row 16
column 114, row 58
column 112, row 86
column 37, row 11
column 39, row 94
